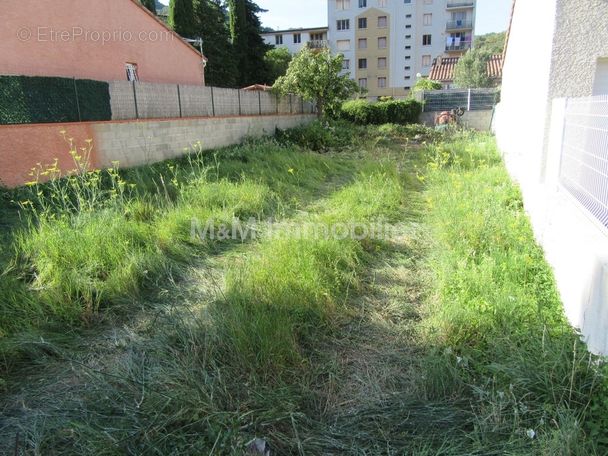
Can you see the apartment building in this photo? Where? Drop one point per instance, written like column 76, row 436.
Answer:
column 295, row 39
column 387, row 44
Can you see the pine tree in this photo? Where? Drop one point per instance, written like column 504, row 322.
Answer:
column 213, row 28
column 248, row 44
column 182, row 19
column 150, row 4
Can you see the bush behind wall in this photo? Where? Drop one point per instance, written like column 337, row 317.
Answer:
column 392, row 111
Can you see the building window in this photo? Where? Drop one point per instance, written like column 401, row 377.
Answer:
column 382, row 21
column 362, row 43
column 342, row 5
column 408, row 26
column 407, row 2
column 278, row 39
column 407, row 48
column 407, row 68
column 427, row 19
column 407, row 37
column 382, row 42
column 426, row 60
column 346, row 64
column 408, row 16
column 317, row 37
column 381, row 83
column 131, row 69
column 382, row 3
column 297, row 38
column 408, row 57
column 362, row 64
column 343, row 24
column 343, row 45
column 408, row 78
column 362, row 3
column 428, row 2
column 426, row 40
column 362, row 22
column 381, row 63
column 363, row 83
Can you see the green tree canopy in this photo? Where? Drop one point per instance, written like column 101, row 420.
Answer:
column 426, row 84
column 277, row 60
column 249, row 46
column 492, row 43
column 212, row 27
column 182, row 18
column 472, row 70
column 150, row 4
column 315, row 76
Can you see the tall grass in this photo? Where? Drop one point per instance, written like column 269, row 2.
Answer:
column 498, row 327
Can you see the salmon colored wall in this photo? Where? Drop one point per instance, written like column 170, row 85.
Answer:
column 23, row 146
column 92, row 39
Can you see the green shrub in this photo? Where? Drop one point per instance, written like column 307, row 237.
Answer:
column 392, row 111
column 320, row 136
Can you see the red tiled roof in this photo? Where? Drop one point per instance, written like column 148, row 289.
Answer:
column 443, row 68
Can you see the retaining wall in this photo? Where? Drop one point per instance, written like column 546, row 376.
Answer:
column 131, row 143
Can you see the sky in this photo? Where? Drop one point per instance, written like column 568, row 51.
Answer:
column 492, row 15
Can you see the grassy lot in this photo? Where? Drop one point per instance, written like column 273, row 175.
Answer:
column 121, row 333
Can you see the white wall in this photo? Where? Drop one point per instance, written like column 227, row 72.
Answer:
column 521, row 117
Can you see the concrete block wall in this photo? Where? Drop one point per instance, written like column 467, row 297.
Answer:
column 145, row 142
column 130, row 142
column 122, row 100
column 196, row 101
column 156, row 101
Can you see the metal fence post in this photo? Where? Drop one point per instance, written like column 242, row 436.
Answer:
column 422, row 95
column 469, row 100
column 302, row 102
column 260, row 101
column 212, row 103
column 77, row 101
column 135, row 100
column 278, row 101
column 240, row 108
column 290, row 105
column 179, row 101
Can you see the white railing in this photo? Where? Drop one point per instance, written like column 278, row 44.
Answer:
column 583, row 168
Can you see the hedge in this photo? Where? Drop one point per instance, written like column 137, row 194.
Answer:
column 25, row 99
column 391, row 111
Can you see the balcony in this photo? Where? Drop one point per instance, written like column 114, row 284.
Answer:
column 460, row 5
column 459, row 25
column 318, row 44
column 462, row 47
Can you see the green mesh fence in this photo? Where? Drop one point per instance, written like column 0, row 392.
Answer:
column 26, row 99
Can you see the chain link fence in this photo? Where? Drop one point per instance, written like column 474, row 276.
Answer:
column 467, row 99
column 50, row 100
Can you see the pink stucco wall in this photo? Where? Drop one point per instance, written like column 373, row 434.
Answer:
column 92, row 39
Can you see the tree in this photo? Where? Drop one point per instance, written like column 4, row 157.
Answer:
column 182, row 19
column 471, row 71
column 492, row 43
column 150, row 4
column 212, row 27
column 426, row 84
column 249, row 46
column 277, row 60
column 315, row 76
